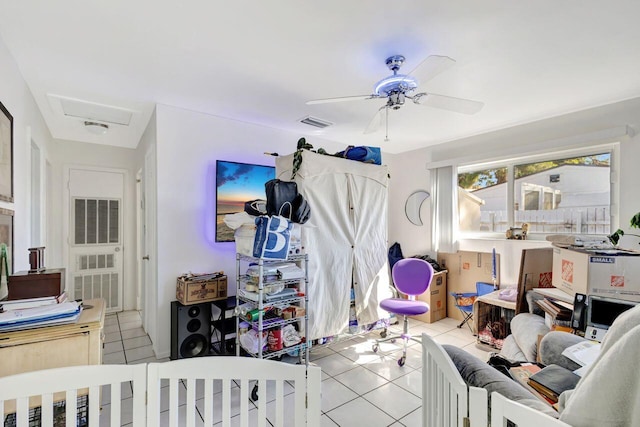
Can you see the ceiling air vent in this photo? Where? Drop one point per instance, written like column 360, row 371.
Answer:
column 312, row 121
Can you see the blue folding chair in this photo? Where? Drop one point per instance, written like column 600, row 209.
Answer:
column 464, row 301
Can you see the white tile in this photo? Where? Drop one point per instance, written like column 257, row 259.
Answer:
column 139, row 353
column 288, row 412
column 388, row 368
column 427, row 329
column 136, row 342
column 109, row 329
column 443, row 325
column 271, row 390
column 125, row 392
column 413, row 419
column 393, row 400
column 114, row 359
column 325, row 421
column 463, row 334
column 334, row 394
column 112, row 347
column 235, row 421
column 129, row 316
column 112, row 336
column 165, row 394
column 360, row 412
column 450, row 339
column 111, row 319
column 359, row 352
column 126, row 413
column 182, row 417
column 133, row 333
column 216, row 387
column 130, row 325
column 319, row 352
column 335, row 364
column 411, row 382
column 413, row 358
column 217, row 404
column 360, row 380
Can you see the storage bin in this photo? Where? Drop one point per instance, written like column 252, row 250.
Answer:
column 244, row 236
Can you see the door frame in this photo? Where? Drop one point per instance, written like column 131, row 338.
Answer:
column 66, row 211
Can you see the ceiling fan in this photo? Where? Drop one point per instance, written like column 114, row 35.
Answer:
column 397, row 88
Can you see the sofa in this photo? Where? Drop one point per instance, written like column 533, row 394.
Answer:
column 607, row 395
column 531, row 341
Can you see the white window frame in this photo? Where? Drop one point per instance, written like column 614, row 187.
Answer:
column 510, row 163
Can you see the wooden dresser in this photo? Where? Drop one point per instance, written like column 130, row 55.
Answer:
column 72, row 344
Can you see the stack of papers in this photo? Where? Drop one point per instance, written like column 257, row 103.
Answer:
column 46, row 315
column 584, row 354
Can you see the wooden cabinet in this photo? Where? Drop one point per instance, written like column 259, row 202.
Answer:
column 73, row 344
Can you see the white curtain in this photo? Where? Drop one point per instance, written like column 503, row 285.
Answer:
column 444, row 213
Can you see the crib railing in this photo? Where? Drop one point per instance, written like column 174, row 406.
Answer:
column 447, row 401
column 174, row 391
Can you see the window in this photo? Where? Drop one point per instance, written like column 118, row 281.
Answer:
column 569, row 195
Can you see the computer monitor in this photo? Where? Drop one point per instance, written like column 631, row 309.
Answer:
column 601, row 312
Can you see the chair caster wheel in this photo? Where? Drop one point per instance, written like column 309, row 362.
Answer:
column 401, row 361
column 254, row 393
column 375, row 348
column 383, row 334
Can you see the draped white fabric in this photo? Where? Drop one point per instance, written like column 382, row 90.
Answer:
column 443, row 188
column 346, row 239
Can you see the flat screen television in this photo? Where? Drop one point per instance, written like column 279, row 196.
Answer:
column 237, row 183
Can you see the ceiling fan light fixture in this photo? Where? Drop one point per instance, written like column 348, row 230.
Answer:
column 395, row 83
column 96, row 128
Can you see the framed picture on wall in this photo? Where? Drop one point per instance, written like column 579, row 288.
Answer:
column 237, row 183
column 6, row 154
column 6, row 243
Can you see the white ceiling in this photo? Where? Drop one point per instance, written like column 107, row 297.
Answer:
column 260, row 61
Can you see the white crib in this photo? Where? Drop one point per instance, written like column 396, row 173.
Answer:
column 226, row 377
column 447, row 401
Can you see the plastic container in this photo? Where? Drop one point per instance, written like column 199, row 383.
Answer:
column 244, row 236
column 243, row 328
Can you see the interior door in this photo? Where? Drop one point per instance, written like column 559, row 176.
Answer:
column 95, row 236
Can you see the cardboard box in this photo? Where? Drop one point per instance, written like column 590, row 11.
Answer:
column 609, row 274
column 194, row 291
column 436, row 297
column 465, row 268
column 47, row 283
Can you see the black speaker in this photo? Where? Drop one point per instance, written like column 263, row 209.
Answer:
column 190, row 330
column 579, row 316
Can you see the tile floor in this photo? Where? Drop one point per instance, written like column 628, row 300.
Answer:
column 359, row 387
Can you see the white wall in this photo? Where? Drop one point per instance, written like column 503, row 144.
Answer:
column 28, row 125
column 68, row 153
column 565, row 132
column 188, row 145
column 146, row 163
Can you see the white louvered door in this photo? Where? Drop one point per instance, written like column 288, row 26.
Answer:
column 95, row 236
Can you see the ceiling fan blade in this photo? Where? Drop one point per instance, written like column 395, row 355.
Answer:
column 459, row 105
column 341, row 99
column 376, row 121
column 431, row 67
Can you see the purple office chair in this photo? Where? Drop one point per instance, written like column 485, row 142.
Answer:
column 412, row 276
